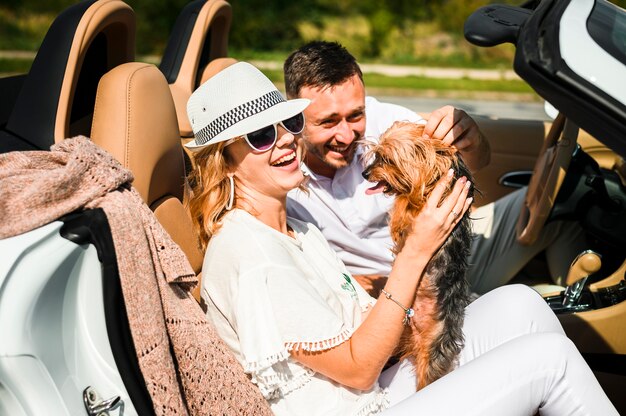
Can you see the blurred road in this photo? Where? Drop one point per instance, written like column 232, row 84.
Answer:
column 420, row 71
column 484, row 107
column 509, row 107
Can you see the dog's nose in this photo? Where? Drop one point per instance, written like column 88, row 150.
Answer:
column 366, row 173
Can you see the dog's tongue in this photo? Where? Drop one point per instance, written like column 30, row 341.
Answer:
column 376, row 189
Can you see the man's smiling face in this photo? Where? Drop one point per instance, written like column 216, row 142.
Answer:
column 335, row 120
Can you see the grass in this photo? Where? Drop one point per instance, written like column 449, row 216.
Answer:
column 412, row 84
column 250, row 55
column 416, row 84
column 440, row 50
column 453, row 60
column 461, row 84
column 391, row 85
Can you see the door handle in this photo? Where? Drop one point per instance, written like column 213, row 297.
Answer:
column 516, row 179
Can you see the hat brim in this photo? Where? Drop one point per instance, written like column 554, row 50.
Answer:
column 274, row 114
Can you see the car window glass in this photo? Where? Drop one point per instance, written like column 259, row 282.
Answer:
column 607, row 26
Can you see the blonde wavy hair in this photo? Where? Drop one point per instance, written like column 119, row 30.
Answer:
column 208, row 190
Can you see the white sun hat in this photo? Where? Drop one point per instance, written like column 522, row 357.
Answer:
column 236, row 101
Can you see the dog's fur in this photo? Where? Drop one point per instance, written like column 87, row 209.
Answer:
column 409, row 166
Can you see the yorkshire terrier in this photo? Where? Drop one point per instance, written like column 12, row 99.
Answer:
column 408, row 166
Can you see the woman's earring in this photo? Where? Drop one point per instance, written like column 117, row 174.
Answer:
column 231, row 198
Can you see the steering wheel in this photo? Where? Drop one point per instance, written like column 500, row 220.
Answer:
column 548, row 175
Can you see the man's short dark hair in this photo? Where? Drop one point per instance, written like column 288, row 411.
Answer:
column 319, row 64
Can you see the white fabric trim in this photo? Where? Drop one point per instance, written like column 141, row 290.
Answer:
column 322, row 345
column 377, row 405
column 267, row 362
column 284, row 294
column 277, row 385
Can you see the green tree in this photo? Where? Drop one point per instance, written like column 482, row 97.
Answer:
column 378, row 29
column 263, row 25
column 155, row 19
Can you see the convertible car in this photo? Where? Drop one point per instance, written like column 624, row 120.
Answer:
column 67, row 345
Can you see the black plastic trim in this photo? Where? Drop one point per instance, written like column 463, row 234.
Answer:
column 11, row 143
column 178, row 41
column 92, row 227
column 10, row 88
column 495, row 24
column 539, row 63
column 34, row 114
column 95, row 65
column 606, row 363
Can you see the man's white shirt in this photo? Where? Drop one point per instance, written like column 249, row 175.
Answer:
column 354, row 223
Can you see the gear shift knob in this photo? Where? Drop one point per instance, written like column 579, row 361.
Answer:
column 585, row 264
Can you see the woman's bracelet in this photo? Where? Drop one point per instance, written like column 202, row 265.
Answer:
column 408, row 312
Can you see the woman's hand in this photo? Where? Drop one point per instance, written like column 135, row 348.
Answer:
column 436, row 221
column 357, row 363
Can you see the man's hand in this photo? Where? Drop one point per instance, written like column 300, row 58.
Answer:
column 456, row 128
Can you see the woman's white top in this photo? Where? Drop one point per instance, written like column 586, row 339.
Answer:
column 269, row 294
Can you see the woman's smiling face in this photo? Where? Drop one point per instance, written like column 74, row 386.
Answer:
column 272, row 173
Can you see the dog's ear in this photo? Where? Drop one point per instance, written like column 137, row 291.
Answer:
column 401, row 180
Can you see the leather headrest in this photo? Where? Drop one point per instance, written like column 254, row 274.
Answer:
column 135, row 120
column 215, row 66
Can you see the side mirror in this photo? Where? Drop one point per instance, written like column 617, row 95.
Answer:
column 550, row 110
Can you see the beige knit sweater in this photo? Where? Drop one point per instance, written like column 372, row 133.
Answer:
column 38, row 187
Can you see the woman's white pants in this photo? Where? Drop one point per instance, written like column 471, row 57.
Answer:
column 516, row 361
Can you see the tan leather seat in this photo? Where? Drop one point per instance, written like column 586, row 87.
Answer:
column 107, row 29
column 135, row 120
column 216, row 66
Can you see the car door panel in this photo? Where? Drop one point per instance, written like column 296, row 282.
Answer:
column 515, row 145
